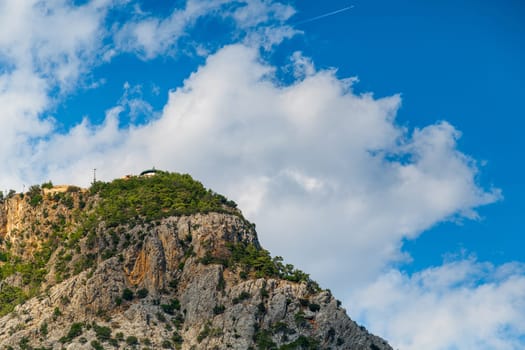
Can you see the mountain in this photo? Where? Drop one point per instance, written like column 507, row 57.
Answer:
column 153, row 262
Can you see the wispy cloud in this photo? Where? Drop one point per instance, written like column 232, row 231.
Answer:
column 259, row 22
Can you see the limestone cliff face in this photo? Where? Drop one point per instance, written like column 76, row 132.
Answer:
column 198, row 281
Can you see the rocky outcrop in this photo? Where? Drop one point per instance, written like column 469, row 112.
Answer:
column 176, row 282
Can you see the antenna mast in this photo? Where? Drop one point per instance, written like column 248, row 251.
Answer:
column 94, row 175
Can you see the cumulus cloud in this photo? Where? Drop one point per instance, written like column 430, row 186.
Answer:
column 47, row 49
column 463, row 304
column 44, row 48
column 333, row 182
column 53, row 40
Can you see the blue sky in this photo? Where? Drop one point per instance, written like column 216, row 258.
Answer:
column 378, row 148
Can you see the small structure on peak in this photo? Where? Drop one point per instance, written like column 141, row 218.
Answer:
column 149, row 172
column 62, row 189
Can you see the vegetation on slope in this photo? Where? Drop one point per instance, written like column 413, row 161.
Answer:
column 257, row 262
column 71, row 225
column 155, row 197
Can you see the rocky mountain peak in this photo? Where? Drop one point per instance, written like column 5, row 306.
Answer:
column 153, row 262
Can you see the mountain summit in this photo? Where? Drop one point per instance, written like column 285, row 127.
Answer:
column 153, row 262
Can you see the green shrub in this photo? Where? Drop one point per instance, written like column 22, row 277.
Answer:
column 171, row 307
column 242, row 296
column 261, row 309
column 300, row 320
column 4, row 256
column 47, row 185
column 56, row 313
column 304, row 343
column 221, row 285
column 43, row 329
column 96, row 345
column 281, row 327
column 142, row 293
column 330, row 335
column 35, row 200
column 35, row 195
column 263, row 340
column 204, row 333
column 314, row 307
column 177, row 338
column 74, row 331
column 24, row 344
column 102, row 333
column 166, row 344
column 178, row 321
column 161, row 317
column 303, row 302
column 174, row 283
column 127, row 294
column 132, row 340
column 9, row 298
column 218, row 309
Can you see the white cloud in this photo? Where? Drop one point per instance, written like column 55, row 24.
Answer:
column 252, row 13
column 306, row 160
column 48, row 48
column 44, row 47
column 268, row 37
column 302, row 66
column 51, row 39
column 264, row 22
column 462, row 304
column 261, row 21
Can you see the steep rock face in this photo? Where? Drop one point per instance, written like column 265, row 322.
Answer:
column 198, row 281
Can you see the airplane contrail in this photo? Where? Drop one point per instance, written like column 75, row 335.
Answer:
column 325, row 15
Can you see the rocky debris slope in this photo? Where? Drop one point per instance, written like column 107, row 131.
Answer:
column 107, row 269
